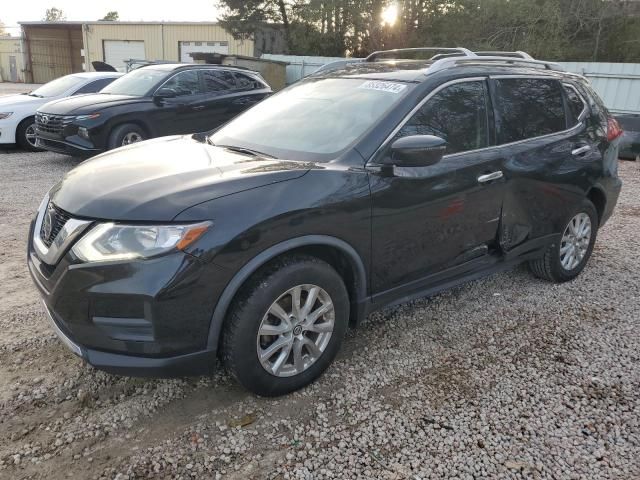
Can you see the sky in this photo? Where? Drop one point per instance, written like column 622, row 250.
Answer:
column 14, row 11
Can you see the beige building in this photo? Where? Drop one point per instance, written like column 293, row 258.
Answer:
column 53, row 49
column 113, row 42
column 11, row 60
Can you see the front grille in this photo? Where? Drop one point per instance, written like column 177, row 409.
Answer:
column 48, row 123
column 52, row 222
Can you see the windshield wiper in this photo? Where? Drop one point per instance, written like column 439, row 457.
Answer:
column 246, row 151
column 35, row 95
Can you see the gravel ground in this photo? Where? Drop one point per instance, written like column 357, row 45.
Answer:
column 508, row 377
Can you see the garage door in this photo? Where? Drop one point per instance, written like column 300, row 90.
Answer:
column 116, row 52
column 201, row 47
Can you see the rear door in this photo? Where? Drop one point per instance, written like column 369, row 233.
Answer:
column 549, row 156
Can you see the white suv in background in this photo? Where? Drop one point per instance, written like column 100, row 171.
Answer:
column 17, row 112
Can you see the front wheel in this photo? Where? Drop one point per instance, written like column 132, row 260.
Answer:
column 565, row 260
column 26, row 135
column 126, row 134
column 286, row 326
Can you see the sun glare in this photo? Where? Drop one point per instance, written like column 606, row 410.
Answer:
column 389, row 14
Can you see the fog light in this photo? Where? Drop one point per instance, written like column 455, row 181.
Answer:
column 83, row 132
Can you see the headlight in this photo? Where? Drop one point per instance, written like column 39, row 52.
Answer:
column 111, row 241
column 5, row 115
column 87, row 117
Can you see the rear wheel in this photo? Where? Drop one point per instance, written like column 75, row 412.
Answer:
column 125, row 135
column 286, row 326
column 26, row 135
column 565, row 261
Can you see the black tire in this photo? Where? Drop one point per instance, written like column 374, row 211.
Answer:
column 240, row 331
column 549, row 267
column 119, row 133
column 26, row 126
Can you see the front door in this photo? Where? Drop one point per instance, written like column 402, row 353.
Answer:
column 428, row 219
column 183, row 113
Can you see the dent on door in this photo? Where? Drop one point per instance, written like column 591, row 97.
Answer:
column 546, row 182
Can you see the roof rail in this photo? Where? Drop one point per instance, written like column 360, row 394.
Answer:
column 518, row 54
column 450, row 62
column 451, row 57
column 459, row 51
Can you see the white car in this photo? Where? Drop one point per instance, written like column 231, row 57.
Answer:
column 17, row 112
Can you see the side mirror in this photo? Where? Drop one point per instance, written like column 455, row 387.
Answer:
column 165, row 92
column 417, row 151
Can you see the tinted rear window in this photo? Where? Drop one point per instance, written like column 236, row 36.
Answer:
column 528, row 108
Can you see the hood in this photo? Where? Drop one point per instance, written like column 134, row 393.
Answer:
column 89, row 103
column 157, row 179
column 20, row 100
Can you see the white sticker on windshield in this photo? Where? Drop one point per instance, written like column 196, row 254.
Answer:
column 392, row 87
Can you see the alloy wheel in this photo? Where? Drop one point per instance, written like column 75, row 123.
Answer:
column 131, row 137
column 575, row 241
column 30, row 134
column 295, row 331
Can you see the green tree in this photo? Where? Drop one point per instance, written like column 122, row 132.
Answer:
column 587, row 30
column 112, row 16
column 54, row 14
column 243, row 18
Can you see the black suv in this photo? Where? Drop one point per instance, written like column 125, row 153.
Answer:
column 349, row 191
column 152, row 101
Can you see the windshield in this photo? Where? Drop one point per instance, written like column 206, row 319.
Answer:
column 137, row 83
column 314, row 120
column 57, row 87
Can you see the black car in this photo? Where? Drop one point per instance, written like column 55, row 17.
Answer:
column 349, row 191
column 630, row 141
column 152, row 101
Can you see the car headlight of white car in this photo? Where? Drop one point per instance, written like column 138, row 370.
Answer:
column 4, row 115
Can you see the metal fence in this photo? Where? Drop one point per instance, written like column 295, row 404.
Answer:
column 617, row 83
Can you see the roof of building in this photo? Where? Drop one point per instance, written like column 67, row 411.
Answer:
column 109, row 22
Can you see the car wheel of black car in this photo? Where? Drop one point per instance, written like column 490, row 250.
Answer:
column 565, row 260
column 125, row 135
column 287, row 325
column 26, row 135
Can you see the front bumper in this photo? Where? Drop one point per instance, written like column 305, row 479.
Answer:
column 197, row 363
column 8, row 131
column 65, row 146
column 140, row 318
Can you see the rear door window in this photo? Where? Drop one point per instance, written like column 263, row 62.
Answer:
column 528, row 108
column 245, row 82
column 457, row 114
column 219, row 81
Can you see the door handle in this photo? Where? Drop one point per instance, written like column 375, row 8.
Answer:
column 198, row 107
column 490, row 176
column 581, row 150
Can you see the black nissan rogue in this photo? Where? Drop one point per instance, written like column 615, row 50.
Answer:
column 354, row 189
